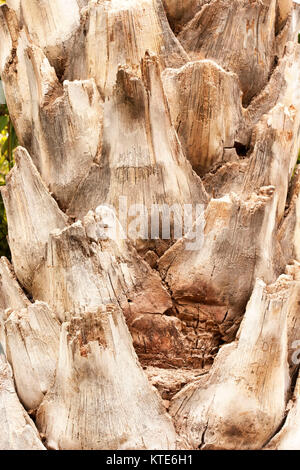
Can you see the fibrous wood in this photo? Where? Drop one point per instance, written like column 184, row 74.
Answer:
column 12, row 296
column 141, row 158
column 32, row 343
column 124, row 31
column 94, row 270
column 244, row 42
column 180, row 12
column 241, row 402
column 200, row 277
column 18, row 430
column 32, row 214
column 288, row 437
column 206, row 109
column 96, row 356
column 127, row 113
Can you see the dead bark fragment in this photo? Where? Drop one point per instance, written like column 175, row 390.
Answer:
column 5, row 36
column 142, row 159
column 206, row 110
column 180, row 12
column 242, row 234
column 170, row 381
column 32, row 213
column 241, row 402
column 32, row 344
column 124, row 31
column 289, row 230
column 97, row 411
column 51, row 25
column 84, row 268
column 239, row 35
column 98, row 125
column 282, row 88
column 65, row 154
column 18, row 432
column 11, row 294
column 288, row 438
column 275, row 144
column 284, row 9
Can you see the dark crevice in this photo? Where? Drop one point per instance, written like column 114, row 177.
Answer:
column 241, row 149
column 289, row 397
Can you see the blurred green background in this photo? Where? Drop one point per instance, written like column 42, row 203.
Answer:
column 8, row 142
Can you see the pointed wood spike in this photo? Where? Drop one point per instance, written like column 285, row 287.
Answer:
column 243, row 232
column 95, row 269
column 32, row 344
column 5, row 37
column 32, row 214
column 288, row 437
column 180, row 12
column 136, row 26
column 284, row 9
column 18, row 431
column 51, row 25
column 142, row 160
column 96, row 359
column 289, row 230
column 241, row 402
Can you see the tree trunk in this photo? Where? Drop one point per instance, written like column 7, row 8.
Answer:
column 154, row 225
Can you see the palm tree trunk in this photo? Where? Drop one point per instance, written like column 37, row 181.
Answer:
column 153, row 221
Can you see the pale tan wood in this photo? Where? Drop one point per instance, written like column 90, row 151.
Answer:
column 136, row 26
column 96, row 356
column 206, row 109
column 78, row 138
column 244, row 42
column 32, row 214
column 180, row 12
column 32, row 343
column 241, row 402
column 288, row 436
column 108, row 100
column 142, row 159
column 241, row 232
column 112, row 273
column 11, row 295
column 18, row 431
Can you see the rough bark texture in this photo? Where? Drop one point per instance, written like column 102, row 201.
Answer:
column 131, row 104
column 96, row 356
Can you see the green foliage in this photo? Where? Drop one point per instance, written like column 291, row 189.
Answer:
column 8, row 142
column 4, row 248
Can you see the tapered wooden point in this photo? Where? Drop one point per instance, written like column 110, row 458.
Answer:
column 153, row 223
column 101, row 398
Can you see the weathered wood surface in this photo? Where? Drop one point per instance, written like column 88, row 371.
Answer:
column 168, row 103
column 241, row 402
column 206, row 109
column 32, row 215
column 96, row 356
column 32, row 343
column 243, row 42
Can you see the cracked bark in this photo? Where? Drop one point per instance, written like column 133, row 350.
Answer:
column 168, row 103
